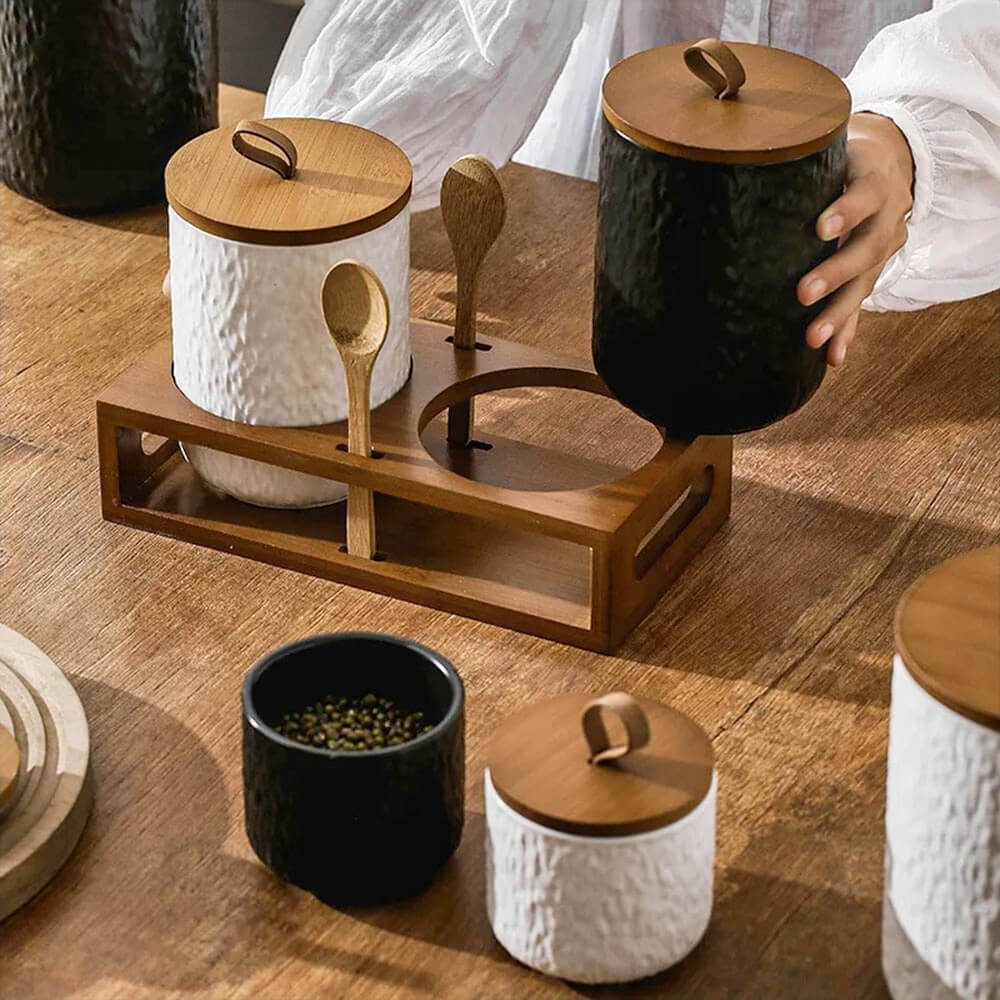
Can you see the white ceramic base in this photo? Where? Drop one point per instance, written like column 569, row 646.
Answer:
column 598, row 909
column 943, row 834
column 261, row 484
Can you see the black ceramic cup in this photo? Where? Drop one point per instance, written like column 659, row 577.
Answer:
column 354, row 827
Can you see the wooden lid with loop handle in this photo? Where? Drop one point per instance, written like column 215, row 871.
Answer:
column 770, row 105
column 289, row 181
column 639, row 765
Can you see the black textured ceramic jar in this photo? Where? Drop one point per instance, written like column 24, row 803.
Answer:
column 354, row 827
column 697, row 326
column 95, row 96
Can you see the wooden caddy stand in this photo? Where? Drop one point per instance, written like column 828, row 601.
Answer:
column 581, row 566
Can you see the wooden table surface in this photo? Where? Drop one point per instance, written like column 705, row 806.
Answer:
column 777, row 639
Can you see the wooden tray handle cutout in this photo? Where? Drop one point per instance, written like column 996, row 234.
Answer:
column 632, row 717
column 733, row 75
column 283, row 166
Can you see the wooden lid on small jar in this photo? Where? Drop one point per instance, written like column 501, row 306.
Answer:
column 948, row 634
column 288, row 181
column 726, row 102
column 601, row 767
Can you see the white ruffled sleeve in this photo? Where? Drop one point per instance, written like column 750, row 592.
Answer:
column 441, row 78
column 937, row 76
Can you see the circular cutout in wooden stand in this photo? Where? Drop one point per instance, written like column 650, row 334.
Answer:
column 51, row 794
column 527, row 435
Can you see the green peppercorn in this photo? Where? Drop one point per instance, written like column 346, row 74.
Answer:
column 351, row 724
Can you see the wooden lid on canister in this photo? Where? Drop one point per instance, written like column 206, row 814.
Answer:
column 948, row 634
column 289, row 181
column 609, row 766
column 726, row 102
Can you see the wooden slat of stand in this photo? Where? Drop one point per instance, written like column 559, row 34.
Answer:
column 562, row 564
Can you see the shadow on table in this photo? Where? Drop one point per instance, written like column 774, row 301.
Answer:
column 179, row 914
column 451, row 912
column 791, row 578
column 769, row 935
column 147, row 220
column 785, row 923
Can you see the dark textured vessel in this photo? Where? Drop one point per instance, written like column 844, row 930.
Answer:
column 697, row 326
column 95, row 96
column 354, row 828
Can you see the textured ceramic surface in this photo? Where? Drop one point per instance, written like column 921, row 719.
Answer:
column 598, row 909
column 364, row 827
column 696, row 322
column 95, row 96
column 907, row 975
column 943, row 834
column 250, row 343
column 259, row 483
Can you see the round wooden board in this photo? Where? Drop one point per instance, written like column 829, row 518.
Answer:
column 53, row 799
column 948, row 637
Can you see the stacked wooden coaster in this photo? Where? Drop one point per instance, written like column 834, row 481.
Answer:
column 45, row 787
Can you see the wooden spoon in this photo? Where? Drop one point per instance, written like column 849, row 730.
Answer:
column 474, row 209
column 357, row 314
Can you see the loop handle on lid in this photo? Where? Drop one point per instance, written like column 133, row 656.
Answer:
column 733, row 75
column 283, row 166
column 632, row 717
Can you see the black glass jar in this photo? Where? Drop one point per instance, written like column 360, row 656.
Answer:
column 707, row 213
column 96, row 95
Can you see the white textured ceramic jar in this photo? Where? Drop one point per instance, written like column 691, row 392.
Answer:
column 249, row 249
column 941, row 915
column 599, row 872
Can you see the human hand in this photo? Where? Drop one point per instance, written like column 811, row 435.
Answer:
column 870, row 218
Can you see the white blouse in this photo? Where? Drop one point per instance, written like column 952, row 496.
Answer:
column 446, row 77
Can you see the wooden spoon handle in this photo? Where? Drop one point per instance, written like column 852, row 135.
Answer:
column 465, row 308
column 358, row 372
column 360, row 502
column 360, row 522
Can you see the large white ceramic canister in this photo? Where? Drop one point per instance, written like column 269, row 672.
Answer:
column 258, row 214
column 941, row 912
column 599, row 849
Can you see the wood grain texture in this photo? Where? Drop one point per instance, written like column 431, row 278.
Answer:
column 10, row 764
column 346, row 181
column 777, row 640
column 948, row 634
column 473, row 210
column 504, row 558
column 788, row 107
column 538, row 760
column 356, row 309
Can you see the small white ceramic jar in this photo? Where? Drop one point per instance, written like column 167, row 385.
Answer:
column 599, row 856
column 941, row 913
column 252, row 235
